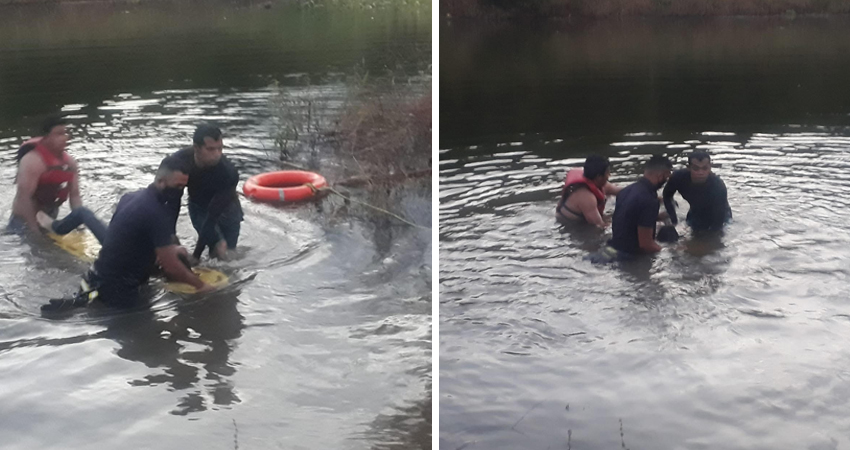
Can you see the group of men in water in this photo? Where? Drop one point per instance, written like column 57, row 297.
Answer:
column 637, row 211
column 141, row 235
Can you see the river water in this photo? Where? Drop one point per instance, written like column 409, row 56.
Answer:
column 733, row 342
column 328, row 347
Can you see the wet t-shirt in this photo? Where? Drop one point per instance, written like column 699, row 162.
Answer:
column 206, row 183
column 709, row 206
column 142, row 223
column 637, row 206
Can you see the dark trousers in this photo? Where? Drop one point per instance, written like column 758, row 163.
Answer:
column 77, row 217
column 116, row 293
column 226, row 227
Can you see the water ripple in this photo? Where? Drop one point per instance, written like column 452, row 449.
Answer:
column 736, row 324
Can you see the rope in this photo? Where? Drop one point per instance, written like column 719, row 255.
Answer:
column 396, row 216
column 330, row 189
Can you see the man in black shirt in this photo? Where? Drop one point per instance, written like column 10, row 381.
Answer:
column 633, row 222
column 213, row 203
column 703, row 190
column 140, row 235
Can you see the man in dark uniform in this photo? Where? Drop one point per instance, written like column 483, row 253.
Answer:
column 140, row 235
column 703, row 190
column 636, row 212
column 213, row 202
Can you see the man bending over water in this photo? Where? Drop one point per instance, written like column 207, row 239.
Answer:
column 140, row 235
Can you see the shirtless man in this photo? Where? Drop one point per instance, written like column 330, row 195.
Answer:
column 585, row 193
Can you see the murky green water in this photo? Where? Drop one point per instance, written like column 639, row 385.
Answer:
column 733, row 343
column 330, row 345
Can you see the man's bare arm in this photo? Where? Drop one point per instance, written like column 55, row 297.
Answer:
column 175, row 270
column 611, row 189
column 24, row 206
column 646, row 241
column 587, row 202
column 74, row 187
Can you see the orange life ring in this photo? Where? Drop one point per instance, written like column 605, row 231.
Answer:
column 284, row 186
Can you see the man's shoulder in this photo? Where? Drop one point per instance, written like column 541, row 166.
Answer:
column 681, row 174
column 227, row 164
column 143, row 201
column 136, row 193
column 185, row 153
column 130, row 197
column 140, row 208
column 643, row 195
column 715, row 182
column 225, row 170
column 72, row 163
column 630, row 188
column 32, row 158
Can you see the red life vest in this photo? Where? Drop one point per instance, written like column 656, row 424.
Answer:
column 575, row 177
column 53, row 185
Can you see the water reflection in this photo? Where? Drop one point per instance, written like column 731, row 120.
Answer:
column 408, row 428
column 190, row 347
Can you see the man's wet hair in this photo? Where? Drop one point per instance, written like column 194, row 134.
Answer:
column 52, row 122
column 205, row 130
column 595, row 166
column 169, row 165
column 658, row 162
column 698, row 156
column 47, row 126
